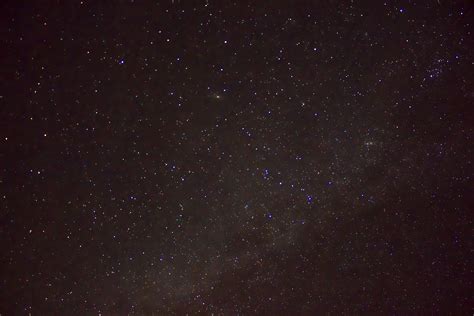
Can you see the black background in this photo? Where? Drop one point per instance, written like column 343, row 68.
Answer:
column 247, row 157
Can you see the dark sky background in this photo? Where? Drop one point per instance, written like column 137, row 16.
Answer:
column 245, row 157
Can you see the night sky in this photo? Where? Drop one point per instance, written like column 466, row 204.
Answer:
column 236, row 158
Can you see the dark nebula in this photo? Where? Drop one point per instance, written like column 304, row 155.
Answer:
column 236, row 157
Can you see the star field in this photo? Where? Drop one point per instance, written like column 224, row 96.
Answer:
column 236, row 158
